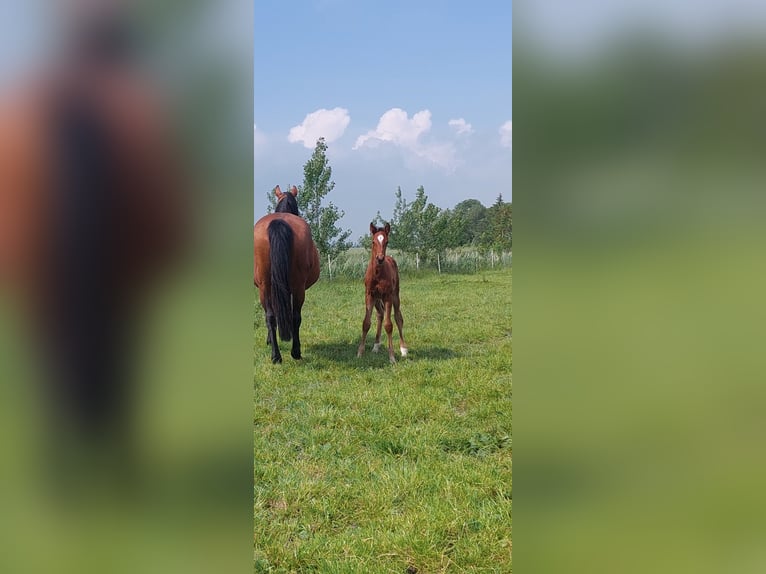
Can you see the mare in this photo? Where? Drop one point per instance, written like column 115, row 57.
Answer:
column 92, row 203
column 381, row 283
column 285, row 264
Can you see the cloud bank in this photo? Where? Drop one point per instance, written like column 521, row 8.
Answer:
column 327, row 124
column 397, row 128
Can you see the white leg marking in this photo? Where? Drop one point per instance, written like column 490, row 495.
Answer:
column 376, row 347
column 404, row 351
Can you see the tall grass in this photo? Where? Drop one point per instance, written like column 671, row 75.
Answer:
column 352, row 263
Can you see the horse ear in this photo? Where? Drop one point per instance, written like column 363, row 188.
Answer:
column 388, row 228
column 373, row 229
column 278, row 192
column 294, row 191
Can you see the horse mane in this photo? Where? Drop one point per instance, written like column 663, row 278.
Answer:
column 287, row 204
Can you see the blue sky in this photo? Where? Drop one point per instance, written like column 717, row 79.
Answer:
column 405, row 93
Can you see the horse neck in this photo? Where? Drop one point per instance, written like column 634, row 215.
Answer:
column 285, row 207
column 375, row 270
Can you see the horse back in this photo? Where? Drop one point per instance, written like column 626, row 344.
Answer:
column 304, row 256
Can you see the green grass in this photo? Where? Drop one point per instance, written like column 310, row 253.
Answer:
column 361, row 466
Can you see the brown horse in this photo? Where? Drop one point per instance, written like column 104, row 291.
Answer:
column 285, row 264
column 381, row 282
column 91, row 215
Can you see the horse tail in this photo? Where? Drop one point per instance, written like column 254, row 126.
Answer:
column 84, row 316
column 280, row 247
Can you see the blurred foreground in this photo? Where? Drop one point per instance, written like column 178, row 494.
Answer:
column 125, row 372
column 638, row 180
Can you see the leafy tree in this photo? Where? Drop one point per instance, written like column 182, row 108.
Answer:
column 474, row 220
column 499, row 231
column 416, row 227
column 446, row 232
column 321, row 216
column 402, row 231
column 331, row 240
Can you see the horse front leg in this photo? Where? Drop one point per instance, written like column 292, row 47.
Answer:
column 389, row 326
column 365, row 325
column 379, row 311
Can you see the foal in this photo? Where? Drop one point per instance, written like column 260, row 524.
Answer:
column 381, row 283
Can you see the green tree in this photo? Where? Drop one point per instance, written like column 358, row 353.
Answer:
column 322, row 216
column 499, row 231
column 474, row 220
column 401, row 224
column 317, row 184
column 446, row 232
column 414, row 226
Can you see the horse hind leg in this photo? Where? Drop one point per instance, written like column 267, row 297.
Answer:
column 400, row 325
column 298, row 299
column 271, row 337
column 379, row 311
column 389, row 326
column 271, row 329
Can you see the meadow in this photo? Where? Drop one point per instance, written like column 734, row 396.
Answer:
column 361, row 466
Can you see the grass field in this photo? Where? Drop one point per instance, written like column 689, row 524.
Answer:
column 364, row 467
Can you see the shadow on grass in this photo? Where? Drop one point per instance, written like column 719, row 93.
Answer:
column 344, row 352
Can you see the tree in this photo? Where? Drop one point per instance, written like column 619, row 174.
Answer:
column 474, row 220
column 322, row 217
column 446, row 232
column 401, row 236
column 499, row 231
column 414, row 226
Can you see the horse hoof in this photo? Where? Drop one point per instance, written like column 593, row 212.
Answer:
column 392, row 359
column 404, row 351
column 296, row 357
column 276, row 360
column 376, row 347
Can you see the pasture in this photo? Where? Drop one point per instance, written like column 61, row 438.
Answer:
column 361, row 466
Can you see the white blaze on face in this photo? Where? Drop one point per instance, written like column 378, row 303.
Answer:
column 380, row 239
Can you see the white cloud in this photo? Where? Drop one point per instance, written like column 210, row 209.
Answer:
column 506, row 139
column 461, row 126
column 327, row 124
column 397, row 128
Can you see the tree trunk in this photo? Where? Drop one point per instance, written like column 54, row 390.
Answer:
column 329, row 266
column 492, row 258
column 417, row 261
column 439, row 263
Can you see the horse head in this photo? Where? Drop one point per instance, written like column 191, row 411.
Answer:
column 379, row 241
column 287, row 202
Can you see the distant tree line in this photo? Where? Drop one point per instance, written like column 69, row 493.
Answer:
column 426, row 231
column 418, row 227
